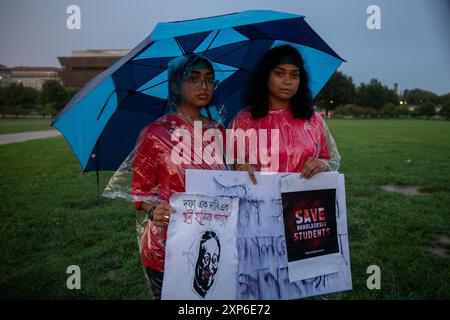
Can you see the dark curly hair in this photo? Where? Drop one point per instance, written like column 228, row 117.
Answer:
column 257, row 95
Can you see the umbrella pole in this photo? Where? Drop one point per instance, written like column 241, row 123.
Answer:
column 98, row 186
column 97, row 165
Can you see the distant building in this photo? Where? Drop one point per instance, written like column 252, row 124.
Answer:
column 34, row 77
column 82, row 66
column 395, row 89
column 5, row 75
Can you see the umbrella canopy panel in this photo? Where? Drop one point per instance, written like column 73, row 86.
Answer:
column 103, row 121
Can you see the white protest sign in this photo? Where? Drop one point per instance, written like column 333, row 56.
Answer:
column 201, row 256
column 261, row 244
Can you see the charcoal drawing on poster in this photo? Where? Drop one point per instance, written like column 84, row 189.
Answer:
column 207, row 262
column 201, row 258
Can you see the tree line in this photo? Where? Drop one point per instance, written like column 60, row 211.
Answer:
column 373, row 99
column 18, row 100
column 339, row 95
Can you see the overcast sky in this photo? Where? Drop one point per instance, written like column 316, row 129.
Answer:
column 412, row 47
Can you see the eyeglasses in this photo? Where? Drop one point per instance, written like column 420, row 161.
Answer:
column 197, row 82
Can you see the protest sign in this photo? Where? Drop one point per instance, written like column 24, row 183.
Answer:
column 309, row 213
column 201, row 251
column 261, row 245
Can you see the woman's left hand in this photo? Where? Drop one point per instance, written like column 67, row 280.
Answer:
column 311, row 167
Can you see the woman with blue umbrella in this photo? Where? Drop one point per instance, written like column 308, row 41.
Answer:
column 165, row 149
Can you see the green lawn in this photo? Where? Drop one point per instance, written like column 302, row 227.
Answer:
column 23, row 125
column 51, row 218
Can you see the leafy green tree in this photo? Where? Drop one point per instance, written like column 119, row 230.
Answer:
column 403, row 111
column 444, row 98
column 15, row 94
column 3, row 107
column 355, row 110
column 48, row 109
column 19, row 111
column 389, row 110
column 426, row 109
column 350, row 110
column 338, row 91
column 70, row 92
column 445, row 110
column 341, row 111
column 419, row 96
column 374, row 95
column 53, row 93
column 370, row 113
column 18, row 99
column 29, row 98
column 54, row 97
column 2, row 96
column 393, row 97
column 361, row 94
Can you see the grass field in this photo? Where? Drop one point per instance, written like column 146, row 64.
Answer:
column 23, row 125
column 51, row 218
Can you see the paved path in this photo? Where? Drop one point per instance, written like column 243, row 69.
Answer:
column 25, row 136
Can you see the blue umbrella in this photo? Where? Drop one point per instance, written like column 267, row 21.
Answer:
column 103, row 120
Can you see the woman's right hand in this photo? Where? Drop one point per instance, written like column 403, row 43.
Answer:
column 249, row 168
column 161, row 215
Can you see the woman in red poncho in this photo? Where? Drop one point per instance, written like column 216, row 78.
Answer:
column 159, row 163
column 279, row 98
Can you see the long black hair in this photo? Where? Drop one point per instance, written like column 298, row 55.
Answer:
column 257, row 95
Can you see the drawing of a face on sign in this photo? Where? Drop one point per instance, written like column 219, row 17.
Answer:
column 207, row 263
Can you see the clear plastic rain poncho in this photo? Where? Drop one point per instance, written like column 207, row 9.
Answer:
column 166, row 148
